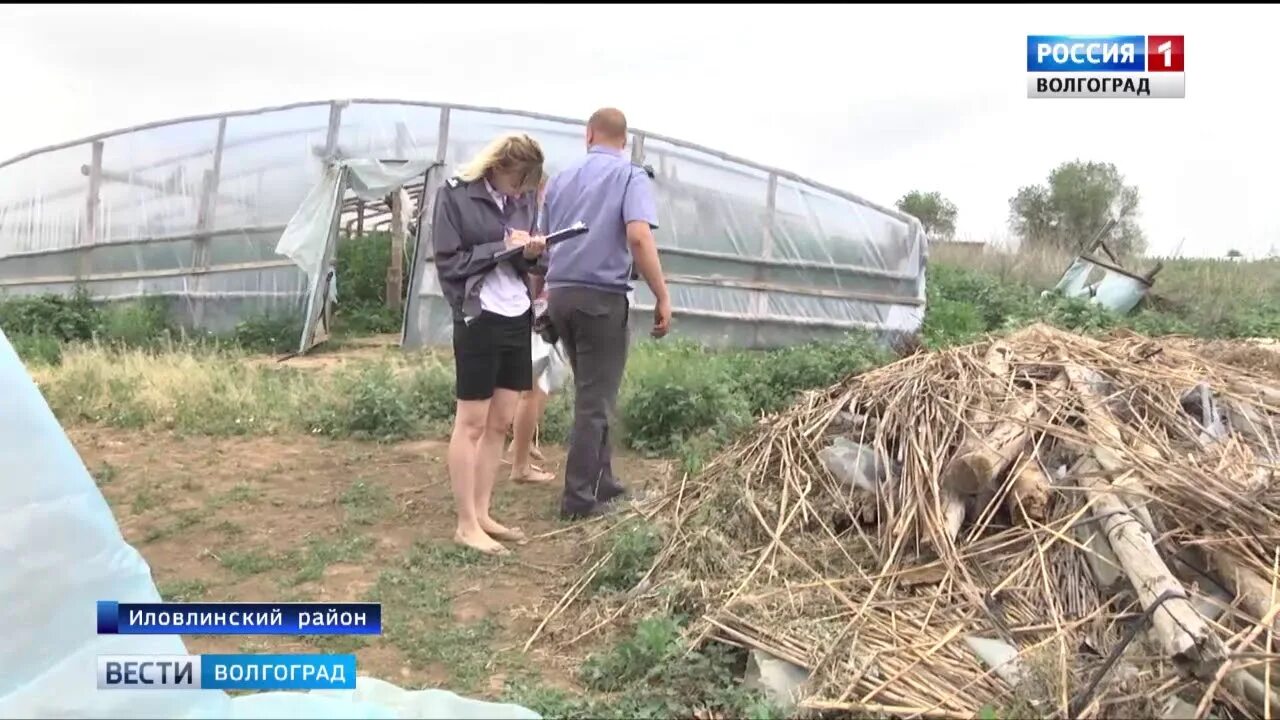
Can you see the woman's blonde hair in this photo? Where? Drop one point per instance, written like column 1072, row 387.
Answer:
column 505, row 153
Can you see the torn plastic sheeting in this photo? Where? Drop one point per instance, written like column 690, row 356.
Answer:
column 1073, row 281
column 307, row 233
column 1119, row 293
column 61, row 551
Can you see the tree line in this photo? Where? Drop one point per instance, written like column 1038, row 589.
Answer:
column 1066, row 212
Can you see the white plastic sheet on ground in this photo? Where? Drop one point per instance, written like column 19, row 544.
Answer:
column 61, row 551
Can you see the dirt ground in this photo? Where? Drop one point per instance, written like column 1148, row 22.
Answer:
column 308, row 519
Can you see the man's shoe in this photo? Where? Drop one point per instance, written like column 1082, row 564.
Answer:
column 598, row 510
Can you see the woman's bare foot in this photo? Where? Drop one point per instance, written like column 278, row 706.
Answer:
column 532, row 475
column 497, row 530
column 479, row 540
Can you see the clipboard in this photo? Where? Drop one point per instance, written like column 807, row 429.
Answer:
column 555, row 238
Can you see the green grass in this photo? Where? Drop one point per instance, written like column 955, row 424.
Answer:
column 182, row 522
column 650, row 673
column 1210, row 298
column 247, row 562
column 634, row 547
column 310, row 562
column 241, row 494
column 182, row 590
column 418, row 617
column 365, row 502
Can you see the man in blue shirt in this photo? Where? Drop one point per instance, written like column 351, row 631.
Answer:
column 588, row 279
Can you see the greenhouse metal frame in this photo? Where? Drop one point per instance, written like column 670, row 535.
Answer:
column 194, row 209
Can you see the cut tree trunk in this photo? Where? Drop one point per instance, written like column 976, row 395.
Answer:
column 1124, row 478
column 1251, row 590
column 1029, row 495
column 984, row 457
column 1183, row 634
column 1108, row 575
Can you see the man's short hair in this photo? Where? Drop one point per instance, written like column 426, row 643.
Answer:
column 609, row 122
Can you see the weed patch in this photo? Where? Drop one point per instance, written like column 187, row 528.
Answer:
column 246, row 563
column 365, row 502
column 182, row 590
column 651, row 674
column 419, row 621
column 633, row 550
column 319, row 554
column 370, row 404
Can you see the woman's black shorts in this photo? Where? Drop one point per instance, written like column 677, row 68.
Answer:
column 494, row 351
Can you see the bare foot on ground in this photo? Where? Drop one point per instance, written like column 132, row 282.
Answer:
column 479, row 540
column 497, row 530
column 532, row 475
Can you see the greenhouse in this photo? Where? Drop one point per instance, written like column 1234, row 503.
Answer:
column 238, row 215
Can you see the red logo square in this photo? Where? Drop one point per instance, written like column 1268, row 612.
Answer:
column 1164, row 53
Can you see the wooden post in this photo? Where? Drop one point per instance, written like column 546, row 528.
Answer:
column 760, row 298
column 204, row 224
column 359, row 217
column 395, row 268
column 331, row 137
column 92, row 203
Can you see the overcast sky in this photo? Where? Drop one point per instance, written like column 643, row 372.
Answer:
column 877, row 100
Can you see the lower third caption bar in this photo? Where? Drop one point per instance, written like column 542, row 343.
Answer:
column 227, row 672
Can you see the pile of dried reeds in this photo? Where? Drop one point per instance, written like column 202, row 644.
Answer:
column 1046, row 523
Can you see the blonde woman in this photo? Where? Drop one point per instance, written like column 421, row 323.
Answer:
column 489, row 207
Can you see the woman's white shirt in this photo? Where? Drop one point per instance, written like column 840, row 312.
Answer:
column 503, row 292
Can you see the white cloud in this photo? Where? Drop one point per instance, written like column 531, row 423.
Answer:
column 875, row 99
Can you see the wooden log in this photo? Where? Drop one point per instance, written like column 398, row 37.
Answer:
column 1090, row 384
column 1254, row 426
column 1028, row 497
column 395, row 267
column 982, row 459
column 953, row 512
column 1250, row 589
column 995, row 437
column 1257, row 392
column 1108, row 575
column 1182, row 633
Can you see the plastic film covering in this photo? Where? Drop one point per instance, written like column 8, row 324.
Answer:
column 194, row 209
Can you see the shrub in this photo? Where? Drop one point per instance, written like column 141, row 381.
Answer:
column 432, row 393
column 771, row 381
column 676, row 393
column 361, row 265
column 63, row 318
column 634, row 547
column 138, row 323
column 37, row 349
column 369, row 403
column 268, row 333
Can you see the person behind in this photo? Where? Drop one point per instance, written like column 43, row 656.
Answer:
column 523, row 451
column 488, row 207
column 588, row 281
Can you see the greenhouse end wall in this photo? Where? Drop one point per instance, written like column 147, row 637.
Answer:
column 192, row 210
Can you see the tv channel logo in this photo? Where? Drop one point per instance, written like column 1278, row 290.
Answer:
column 1105, row 66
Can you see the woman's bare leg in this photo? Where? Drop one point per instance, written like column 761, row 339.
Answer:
column 529, row 413
column 468, row 432
column 488, row 456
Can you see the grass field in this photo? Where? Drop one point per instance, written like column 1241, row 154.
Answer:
column 323, row 478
